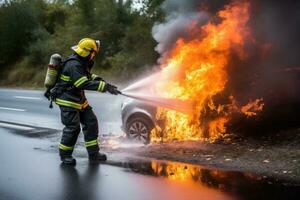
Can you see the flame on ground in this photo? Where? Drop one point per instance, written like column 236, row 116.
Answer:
column 196, row 70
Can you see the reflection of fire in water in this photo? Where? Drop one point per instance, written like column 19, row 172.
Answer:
column 195, row 70
column 174, row 171
column 210, row 177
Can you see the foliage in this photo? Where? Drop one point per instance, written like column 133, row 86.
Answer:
column 32, row 30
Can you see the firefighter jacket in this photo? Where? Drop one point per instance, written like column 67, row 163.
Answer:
column 74, row 78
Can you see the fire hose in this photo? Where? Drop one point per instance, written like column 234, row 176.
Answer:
column 184, row 106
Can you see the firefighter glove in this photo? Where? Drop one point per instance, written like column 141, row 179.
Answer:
column 47, row 94
column 111, row 89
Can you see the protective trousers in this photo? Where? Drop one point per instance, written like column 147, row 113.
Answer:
column 71, row 119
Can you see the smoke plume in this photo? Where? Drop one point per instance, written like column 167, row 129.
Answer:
column 272, row 53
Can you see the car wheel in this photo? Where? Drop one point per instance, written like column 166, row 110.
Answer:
column 138, row 129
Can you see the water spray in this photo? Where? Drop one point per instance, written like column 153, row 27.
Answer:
column 141, row 90
column 142, row 83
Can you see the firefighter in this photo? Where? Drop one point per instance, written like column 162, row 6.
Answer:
column 75, row 110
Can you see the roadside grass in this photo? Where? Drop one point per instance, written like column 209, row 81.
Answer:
column 26, row 76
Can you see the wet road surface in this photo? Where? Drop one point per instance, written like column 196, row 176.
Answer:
column 30, row 169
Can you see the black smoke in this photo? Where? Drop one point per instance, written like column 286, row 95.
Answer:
column 272, row 69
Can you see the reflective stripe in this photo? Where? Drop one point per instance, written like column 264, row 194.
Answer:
column 68, row 103
column 102, row 89
column 65, row 78
column 85, row 104
column 52, row 72
column 101, row 86
column 71, row 104
column 91, row 143
column 66, row 148
column 80, row 81
column 94, row 76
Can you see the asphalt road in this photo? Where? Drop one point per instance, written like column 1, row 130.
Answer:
column 29, row 171
column 32, row 108
column 30, row 168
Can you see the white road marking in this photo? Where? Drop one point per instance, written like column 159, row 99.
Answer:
column 13, row 109
column 23, row 97
column 6, row 125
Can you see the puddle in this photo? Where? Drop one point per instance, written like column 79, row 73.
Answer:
column 241, row 185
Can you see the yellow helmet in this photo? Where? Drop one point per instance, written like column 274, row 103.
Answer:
column 86, row 46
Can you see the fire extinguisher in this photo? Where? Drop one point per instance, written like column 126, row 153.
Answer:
column 53, row 71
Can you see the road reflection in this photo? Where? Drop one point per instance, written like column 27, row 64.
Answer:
column 237, row 184
column 75, row 186
column 224, row 180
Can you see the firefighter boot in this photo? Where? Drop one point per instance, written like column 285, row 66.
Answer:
column 97, row 158
column 68, row 160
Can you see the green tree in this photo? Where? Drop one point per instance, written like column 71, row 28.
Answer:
column 86, row 11
column 17, row 24
column 32, row 30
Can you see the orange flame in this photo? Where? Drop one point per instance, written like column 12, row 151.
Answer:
column 252, row 108
column 175, row 171
column 196, row 70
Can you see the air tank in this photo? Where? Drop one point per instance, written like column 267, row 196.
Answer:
column 53, row 70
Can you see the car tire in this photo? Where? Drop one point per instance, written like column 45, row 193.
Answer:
column 139, row 129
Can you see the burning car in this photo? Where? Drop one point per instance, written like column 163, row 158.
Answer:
column 140, row 115
column 220, row 72
column 138, row 119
